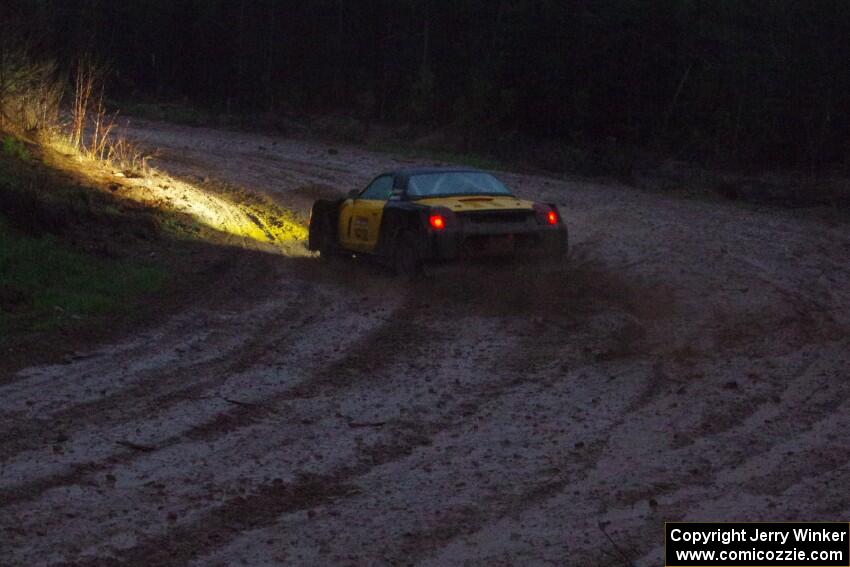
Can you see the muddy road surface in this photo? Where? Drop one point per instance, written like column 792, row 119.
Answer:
column 689, row 362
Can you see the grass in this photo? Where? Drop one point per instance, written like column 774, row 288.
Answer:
column 45, row 284
column 64, row 260
column 14, row 148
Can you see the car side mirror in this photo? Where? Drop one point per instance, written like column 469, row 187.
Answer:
column 353, row 194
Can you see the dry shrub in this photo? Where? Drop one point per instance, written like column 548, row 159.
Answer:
column 128, row 158
column 30, row 89
column 90, row 126
column 85, row 79
column 91, row 130
column 31, row 98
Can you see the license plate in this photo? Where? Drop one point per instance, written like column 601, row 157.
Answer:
column 500, row 244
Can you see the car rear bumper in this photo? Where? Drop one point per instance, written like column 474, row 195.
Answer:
column 496, row 240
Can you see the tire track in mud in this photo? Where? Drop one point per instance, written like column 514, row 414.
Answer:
column 151, row 393
column 517, row 368
column 363, row 363
column 827, row 470
column 235, row 418
column 407, row 436
column 224, row 523
column 115, row 361
column 155, row 404
column 705, row 487
column 727, row 418
column 471, row 401
column 796, row 421
column 466, row 521
column 206, row 293
column 831, row 505
column 798, row 465
column 261, row 507
column 774, row 483
column 413, row 436
column 237, row 516
column 78, row 472
column 801, row 464
column 374, row 354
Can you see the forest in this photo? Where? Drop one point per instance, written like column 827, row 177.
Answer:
column 744, row 82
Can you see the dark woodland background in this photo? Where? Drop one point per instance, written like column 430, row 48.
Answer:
column 739, row 81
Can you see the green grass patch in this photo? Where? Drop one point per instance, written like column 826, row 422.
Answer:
column 14, row 148
column 45, row 284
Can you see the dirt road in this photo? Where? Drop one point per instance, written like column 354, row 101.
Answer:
column 690, row 364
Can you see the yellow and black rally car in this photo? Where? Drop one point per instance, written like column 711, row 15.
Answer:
column 413, row 216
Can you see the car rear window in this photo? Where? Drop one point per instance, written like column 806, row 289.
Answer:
column 454, row 183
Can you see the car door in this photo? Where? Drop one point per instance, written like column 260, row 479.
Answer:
column 360, row 218
column 346, row 210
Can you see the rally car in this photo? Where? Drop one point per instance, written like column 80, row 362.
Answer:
column 411, row 217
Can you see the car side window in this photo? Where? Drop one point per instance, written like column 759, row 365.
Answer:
column 379, row 189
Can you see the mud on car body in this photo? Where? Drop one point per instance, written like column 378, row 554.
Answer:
column 414, row 216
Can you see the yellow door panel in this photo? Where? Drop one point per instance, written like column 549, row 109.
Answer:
column 346, row 211
column 360, row 219
column 366, row 223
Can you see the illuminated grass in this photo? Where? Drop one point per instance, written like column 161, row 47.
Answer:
column 259, row 221
column 253, row 218
column 92, row 152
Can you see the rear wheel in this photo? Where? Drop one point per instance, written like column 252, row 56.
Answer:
column 325, row 241
column 406, row 259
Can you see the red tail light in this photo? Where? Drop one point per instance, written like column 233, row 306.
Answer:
column 546, row 214
column 437, row 222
